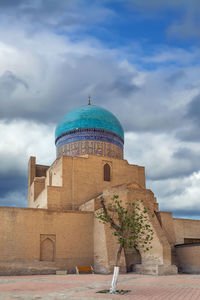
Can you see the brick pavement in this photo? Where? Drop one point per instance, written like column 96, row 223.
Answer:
column 75, row 287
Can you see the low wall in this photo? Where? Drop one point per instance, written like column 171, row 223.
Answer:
column 188, row 258
column 38, row 241
column 186, row 229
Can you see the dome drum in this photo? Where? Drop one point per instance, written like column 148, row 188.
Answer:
column 90, row 147
column 91, row 134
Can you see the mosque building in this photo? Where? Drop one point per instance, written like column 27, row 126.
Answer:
column 59, row 231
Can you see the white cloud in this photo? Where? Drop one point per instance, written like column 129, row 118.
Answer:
column 162, row 154
column 169, row 166
column 21, row 139
column 176, row 55
column 179, row 194
column 154, row 151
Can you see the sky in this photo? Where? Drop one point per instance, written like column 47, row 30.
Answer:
column 139, row 59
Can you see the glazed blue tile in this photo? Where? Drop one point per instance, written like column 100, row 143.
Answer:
column 89, row 135
column 89, row 116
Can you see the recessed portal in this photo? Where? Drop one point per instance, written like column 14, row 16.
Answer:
column 106, row 170
column 47, row 247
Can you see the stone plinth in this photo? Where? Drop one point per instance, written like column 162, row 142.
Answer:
column 155, row 269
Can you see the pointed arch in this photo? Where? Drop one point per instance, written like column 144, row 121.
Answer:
column 47, row 250
column 107, row 172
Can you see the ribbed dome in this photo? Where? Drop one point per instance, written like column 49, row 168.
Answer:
column 89, row 116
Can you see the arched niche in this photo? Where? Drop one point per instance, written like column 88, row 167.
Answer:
column 107, row 172
column 47, row 250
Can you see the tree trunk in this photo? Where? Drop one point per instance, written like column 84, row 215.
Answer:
column 118, row 255
column 116, row 269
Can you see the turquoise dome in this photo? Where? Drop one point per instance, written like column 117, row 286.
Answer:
column 89, row 116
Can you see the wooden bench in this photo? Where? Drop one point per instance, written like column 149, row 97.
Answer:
column 84, row 269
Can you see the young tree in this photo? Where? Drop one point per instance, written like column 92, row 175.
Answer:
column 130, row 224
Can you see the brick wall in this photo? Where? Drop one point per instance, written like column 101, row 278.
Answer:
column 21, row 231
column 188, row 258
column 186, row 228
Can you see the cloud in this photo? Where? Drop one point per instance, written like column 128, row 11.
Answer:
column 176, row 76
column 163, row 156
column 193, row 109
column 9, row 83
column 10, row 86
column 83, row 16
column 189, row 133
column 41, row 79
column 172, row 170
column 63, row 16
column 57, row 72
column 181, row 196
column 12, row 181
column 157, row 5
column 173, row 55
column 14, row 198
column 182, row 16
column 20, row 140
column 188, row 25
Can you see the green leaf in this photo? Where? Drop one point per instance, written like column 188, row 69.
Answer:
column 129, row 220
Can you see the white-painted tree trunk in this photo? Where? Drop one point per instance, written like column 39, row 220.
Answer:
column 114, row 280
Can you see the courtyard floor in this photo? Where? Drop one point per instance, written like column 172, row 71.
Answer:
column 143, row 287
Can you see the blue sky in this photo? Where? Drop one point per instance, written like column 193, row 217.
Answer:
column 139, row 59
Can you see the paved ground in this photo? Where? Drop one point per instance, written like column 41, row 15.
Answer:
column 143, row 287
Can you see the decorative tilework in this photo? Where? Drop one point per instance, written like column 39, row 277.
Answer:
column 89, row 134
column 89, row 116
column 90, row 147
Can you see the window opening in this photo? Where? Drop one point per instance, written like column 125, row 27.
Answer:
column 106, row 172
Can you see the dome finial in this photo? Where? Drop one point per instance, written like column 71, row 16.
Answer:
column 89, row 98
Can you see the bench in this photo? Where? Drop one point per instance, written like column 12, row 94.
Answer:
column 84, row 269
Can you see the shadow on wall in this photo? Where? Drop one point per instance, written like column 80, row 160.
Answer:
column 188, row 258
column 132, row 257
